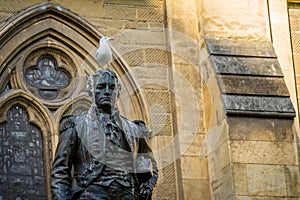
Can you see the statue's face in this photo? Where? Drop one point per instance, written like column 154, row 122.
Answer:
column 106, row 92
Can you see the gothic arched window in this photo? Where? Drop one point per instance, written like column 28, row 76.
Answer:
column 22, row 170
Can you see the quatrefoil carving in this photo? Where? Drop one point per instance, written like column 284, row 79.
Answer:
column 47, row 77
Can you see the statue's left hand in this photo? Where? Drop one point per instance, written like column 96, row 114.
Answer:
column 145, row 192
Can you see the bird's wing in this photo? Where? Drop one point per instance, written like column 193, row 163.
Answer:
column 103, row 55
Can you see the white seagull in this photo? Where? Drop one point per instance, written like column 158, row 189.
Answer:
column 104, row 54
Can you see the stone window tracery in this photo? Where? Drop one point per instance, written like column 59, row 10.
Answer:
column 47, row 73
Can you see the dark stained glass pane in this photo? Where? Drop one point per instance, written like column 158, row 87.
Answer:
column 22, row 171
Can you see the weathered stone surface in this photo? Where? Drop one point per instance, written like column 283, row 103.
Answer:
column 240, row 47
column 147, row 3
column 156, row 56
column 253, row 85
column 104, row 23
column 163, row 148
column 235, row 18
column 4, row 16
column 159, row 99
column 183, row 9
column 183, row 25
column 155, row 26
column 140, row 38
column 246, row 65
column 239, row 173
column 134, row 57
column 276, row 153
column 221, row 184
column 120, row 12
column 292, row 180
column 238, row 197
column 150, row 14
column 216, row 136
column 15, row 6
column 184, row 49
column 266, row 180
column 136, row 25
column 195, row 189
column 161, row 122
column 254, row 105
column 262, row 129
column 194, row 167
column 218, row 159
column 212, row 98
column 195, row 147
column 167, row 190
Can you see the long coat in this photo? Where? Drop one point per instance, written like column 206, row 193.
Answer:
column 81, row 142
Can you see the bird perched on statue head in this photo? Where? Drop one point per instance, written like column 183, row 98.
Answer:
column 104, row 54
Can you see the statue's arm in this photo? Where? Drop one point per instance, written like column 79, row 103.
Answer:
column 146, row 149
column 62, row 164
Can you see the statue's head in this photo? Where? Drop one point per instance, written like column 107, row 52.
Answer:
column 104, row 87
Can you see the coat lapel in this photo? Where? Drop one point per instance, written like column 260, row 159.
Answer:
column 129, row 134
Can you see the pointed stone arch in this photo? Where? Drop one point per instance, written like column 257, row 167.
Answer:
column 50, row 26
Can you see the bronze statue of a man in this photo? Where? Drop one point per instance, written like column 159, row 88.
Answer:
column 100, row 154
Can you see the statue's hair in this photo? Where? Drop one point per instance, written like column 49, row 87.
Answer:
column 94, row 78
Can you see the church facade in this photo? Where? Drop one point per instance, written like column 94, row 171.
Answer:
column 217, row 83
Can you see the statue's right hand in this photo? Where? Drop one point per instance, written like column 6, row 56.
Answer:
column 145, row 192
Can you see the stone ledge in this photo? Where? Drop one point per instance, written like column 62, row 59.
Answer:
column 246, row 65
column 266, row 86
column 258, row 106
column 240, row 47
